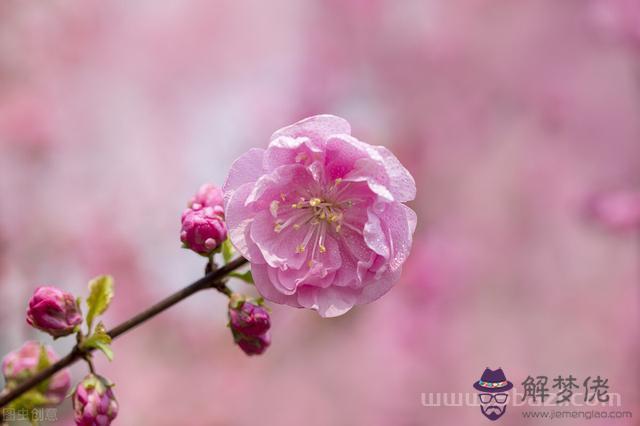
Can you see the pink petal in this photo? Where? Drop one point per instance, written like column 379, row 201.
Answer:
column 266, row 288
column 247, row 168
column 318, row 128
column 239, row 218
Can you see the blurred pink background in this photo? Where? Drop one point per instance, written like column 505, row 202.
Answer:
column 512, row 116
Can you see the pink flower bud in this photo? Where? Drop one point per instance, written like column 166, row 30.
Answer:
column 253, row 345
column 249, row 319
column 249, row 325
column 203, row 230
column 53, row 311
column 207, row 196
column 19, row 365
column 94, row 403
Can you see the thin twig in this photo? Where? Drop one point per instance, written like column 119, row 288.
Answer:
column 213, row 279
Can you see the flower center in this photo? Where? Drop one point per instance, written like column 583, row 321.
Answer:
column 320, row 213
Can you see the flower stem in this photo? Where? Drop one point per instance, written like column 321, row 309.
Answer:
column 213, row 279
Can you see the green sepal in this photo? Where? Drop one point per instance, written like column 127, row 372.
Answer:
column 99, row 340
column 244, row 276
column 227, row 251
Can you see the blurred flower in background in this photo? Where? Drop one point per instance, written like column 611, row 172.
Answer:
column 512, row 117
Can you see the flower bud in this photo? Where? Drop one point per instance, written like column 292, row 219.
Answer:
column 207, row 196
column 203, row 230
column 19, row 365
column 249, row 319
column 253, row 345
column 93, row 402
column 249, row 325
column 53, row 311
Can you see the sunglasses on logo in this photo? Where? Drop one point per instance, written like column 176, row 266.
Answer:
column 500, row 398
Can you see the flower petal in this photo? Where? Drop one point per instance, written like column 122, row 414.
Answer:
column 329, row 302
column 239, row 218
column 278, row 248
column 266, row 288
column 247, row 168
column 318, row 128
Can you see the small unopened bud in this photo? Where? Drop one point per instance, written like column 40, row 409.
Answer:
column 207, row 196
column 19, row 365
column 253, row 345
column 249, row 319
column 249, row 325
column 203, row 230
column 94, row 403
column 53, row 311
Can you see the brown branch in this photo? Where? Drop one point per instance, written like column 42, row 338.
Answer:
column 211, row 280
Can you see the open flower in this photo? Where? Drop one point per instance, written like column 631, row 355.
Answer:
column 319, row 215
column 19, row 365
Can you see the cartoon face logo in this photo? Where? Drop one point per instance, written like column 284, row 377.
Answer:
column 493, row 387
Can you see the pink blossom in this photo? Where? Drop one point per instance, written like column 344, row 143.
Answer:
column 319, row 215
column 22, row 363
column 53, row 311
column 203, row 230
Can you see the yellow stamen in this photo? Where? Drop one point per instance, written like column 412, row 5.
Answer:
column 323, row 249
column 300, row 249
column 315, row 202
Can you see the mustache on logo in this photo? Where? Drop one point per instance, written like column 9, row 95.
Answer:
column 493, row 409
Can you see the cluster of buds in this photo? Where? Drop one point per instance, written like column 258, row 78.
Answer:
column 19, row 365
column 53, row 311
column 57, row 313
column 249, row 323
column 203, row 229
column 94, row 403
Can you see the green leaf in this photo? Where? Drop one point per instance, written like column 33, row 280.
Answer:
column 106, row 350
column 43, row 359
column 43, row 362
column 227, row 251
column 100, row 295
column 99, row 340
column 244, row 276
column 29, row 400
